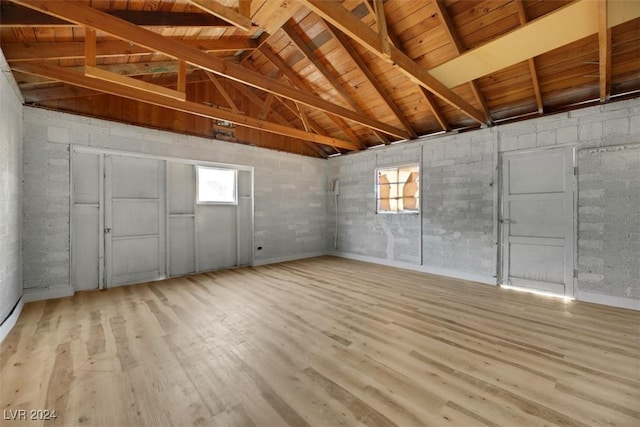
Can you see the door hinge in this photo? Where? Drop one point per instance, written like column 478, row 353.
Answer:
column 575, row 274
column 575, row 170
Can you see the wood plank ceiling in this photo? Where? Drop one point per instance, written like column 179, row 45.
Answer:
column 320, row 77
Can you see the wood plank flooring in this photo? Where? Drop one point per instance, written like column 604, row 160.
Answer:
column 321, row 342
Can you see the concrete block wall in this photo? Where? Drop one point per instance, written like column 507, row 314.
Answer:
column 609, row 218
column 362, row 232
column 460, row 198
column 458, row 206
column 290, row 190
column 10, row 192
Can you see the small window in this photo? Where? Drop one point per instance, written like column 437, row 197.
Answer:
column 398, row 189
column 215, row 185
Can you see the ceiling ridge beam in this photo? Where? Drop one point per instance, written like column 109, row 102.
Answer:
column 78, row 79
column 93, row 18
column 324, row 70
column 356, row 29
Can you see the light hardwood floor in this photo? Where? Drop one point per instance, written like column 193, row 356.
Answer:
column 322, row 342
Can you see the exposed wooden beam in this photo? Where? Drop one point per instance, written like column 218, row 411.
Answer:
column 550, row 32
column 357, row 30
column 266, row 106
column 85, row 15
column 17, row 16
column 381, row 20
column 255, row 99
column 111, row 48
column 182, row 77
column 77, row 79
column 297, row 81
column 366, row 71
column 130, row 82
column 90, row 47
column 428, row 96
column 604, row 49
column 450, row 30
column 223, row 12
column 271, row 16
column 522, row 15
column 32, row 82
column 223, row 92
column 244, row 8
column 55, row 93
column 333, row 81
column 90, row 70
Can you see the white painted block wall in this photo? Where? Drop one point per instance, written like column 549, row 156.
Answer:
column 295, row 211
column 290, row 190
column 10, row 192
column 460, row 200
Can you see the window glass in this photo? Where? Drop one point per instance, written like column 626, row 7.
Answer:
column 216, row 185
column 398, row 189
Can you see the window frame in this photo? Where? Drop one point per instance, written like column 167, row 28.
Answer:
column 207, row 202
column 377, row 188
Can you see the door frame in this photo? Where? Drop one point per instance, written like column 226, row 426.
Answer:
column 569, row 293
column 101, row 153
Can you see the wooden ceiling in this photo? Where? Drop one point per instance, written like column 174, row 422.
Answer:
column 319, row 77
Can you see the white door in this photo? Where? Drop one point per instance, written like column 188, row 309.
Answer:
column 87, row 216
column 134, row 220
column 537, row 219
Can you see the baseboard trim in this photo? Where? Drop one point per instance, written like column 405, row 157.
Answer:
column 295, row 257
column 40, row 294
column 592, row 297
column 11, row 320
column 438, row 271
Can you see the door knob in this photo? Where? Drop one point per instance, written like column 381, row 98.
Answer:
column 107, row 230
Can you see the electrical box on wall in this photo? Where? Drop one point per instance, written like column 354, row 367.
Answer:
column 336, row 187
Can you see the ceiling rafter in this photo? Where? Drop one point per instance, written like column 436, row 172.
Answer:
column 223, row 92
column 364, row 69
column 223, row 12
column 248, row 93
column 300, row 84
column 272, row 16
column 110, row 49
column 604, row 51
column 93, row 18
column 91, row 70
column 522, row 15
column 287, row 103
column 77, row 79
column 304, row 48
column 357, row 30
column 437, row 113
column 381, row 20
column 428, row 96
column 449, row 29
column 17, row 16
